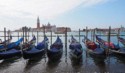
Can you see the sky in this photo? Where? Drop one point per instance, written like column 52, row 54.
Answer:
column 76, row 14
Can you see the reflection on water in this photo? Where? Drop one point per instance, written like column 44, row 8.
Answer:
column 51, row 66
column 100, row 63
column 6, row 63
column 31, row 63
column 77, row 65
column 121, row 59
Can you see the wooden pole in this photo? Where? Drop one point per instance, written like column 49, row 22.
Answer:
column 37, row 37
column 109, row 33
column 44, row 31
column 86, row 31
column 5, row 36
column 28, row 34
column 18, row 35
column 23, row 35
column 51, row 37
column 87, row 37
column 118, row 35
column 79, row 35
column 8, row 35
column 32, row 32
column 66, row 43
column 44, row 41
column 93, row 35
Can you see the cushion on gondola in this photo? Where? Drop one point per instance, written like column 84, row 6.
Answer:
column 54, row 50
column 110, row 44
column 99, row 51
column 92, row 46
column 75, row 45
column 40, row 46
column 33, row 50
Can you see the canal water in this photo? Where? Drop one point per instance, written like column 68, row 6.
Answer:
column 88, row 64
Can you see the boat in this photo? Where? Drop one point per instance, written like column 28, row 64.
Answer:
column 13, row 52
column 35, row 52
column 75, row 49
column 93, row 48
column 122, row 40
column 114, row 49
column 6, row 41
column 105, row 45
column 4, row 44
column 28, row 44
column 121, row 50
column 56, row 50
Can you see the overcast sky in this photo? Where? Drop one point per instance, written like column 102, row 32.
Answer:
column 72, row 13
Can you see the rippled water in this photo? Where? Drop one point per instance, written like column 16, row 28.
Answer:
column 88, row 64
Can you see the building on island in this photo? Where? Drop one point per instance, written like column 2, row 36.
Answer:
column 47, row 27
column 61, row 30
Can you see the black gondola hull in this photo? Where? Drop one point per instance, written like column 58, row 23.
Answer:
column 54, row 56
column 74, row 56
column 12, row 55
column 35, row 55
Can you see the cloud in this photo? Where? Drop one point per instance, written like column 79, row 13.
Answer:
column 44, row 8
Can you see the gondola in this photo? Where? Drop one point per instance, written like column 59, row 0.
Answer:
column 35, row 52
column 114, row 49
column 6, row 41
column 56, row 50
column 13, row 52
column 121, row 50
column 93, row 48
column 6, row 44
column 105, row 45
column 27, row 45
column 122, row 40
column 75, row 49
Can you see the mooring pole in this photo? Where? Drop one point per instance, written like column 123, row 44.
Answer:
column 37, row 37
column 44, row 31
column 32, row 33
column 66, row 43
column 93, row 35
column 28, row 34
column 8, row 35
column 87, row 32
column 44, row 41
column 79, row 35
column 118, row 35
column 5, row 36
column 51, row 37
column 23, row 35
column 87, row 37
column 18, row 35
column 109, row 34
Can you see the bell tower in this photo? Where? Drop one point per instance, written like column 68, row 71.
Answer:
column 38, row 22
